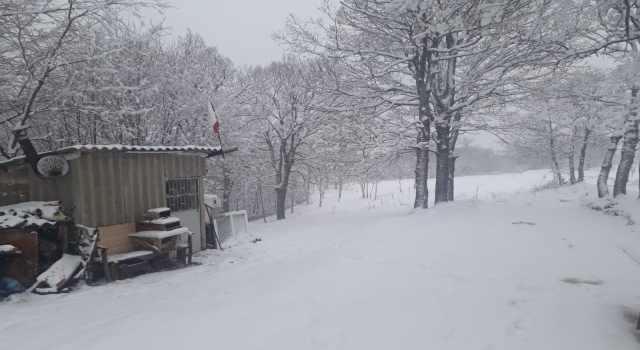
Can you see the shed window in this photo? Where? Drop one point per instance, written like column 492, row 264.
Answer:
column 182, row 194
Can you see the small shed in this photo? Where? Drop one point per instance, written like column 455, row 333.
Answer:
column 110, row 187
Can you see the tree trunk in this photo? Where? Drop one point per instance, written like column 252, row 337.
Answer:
column 264, row 215
column 281, row 197
column 627, row 154
column 281, row 190
column 583, row 154
column 455, row 132
column 572, row 170
column 603, row 177
column 422, row 172
column 227, row 183
column 375, row 193
column 293, row 202
column 452, row 170
column 340, row 189
column 442, row 164
column 554, row 158
column 424, row 134
column 321, row 190
column 572, row 151
column 556, row 169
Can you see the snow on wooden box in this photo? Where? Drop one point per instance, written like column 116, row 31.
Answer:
column 157, row 213
column 162, row 224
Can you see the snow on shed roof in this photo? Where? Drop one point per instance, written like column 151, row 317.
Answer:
column 119, row 148
column 125, row 148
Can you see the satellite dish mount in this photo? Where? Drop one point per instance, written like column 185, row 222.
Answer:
column 49, row 167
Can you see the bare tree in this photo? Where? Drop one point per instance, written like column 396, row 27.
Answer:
column 40, row 38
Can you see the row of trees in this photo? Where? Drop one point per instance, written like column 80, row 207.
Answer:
column 372, row 84
column 513, row 67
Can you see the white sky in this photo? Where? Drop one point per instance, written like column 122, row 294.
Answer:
column 240, row 29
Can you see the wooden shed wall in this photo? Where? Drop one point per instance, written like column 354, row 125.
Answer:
column 116, row 188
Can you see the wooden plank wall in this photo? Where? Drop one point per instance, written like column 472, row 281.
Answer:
column 117, row 239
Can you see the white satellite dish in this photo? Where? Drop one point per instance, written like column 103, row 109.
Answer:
column 53, row 167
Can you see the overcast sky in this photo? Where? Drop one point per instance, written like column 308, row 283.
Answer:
column 241, row 29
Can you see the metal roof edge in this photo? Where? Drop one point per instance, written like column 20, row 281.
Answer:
column 191, row 149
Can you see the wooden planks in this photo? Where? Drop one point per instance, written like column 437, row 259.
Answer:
column 117, row 239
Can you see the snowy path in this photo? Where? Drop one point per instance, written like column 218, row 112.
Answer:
column 461, row 276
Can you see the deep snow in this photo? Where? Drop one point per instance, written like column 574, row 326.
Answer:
column 514, row 269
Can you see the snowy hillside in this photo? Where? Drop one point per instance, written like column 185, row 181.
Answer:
column 514, row 269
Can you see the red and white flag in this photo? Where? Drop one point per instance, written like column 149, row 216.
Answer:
column 214, row 118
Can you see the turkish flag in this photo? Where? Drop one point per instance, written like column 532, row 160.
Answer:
column 214, row 118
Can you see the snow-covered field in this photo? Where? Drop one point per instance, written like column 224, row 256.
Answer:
column 503, row 268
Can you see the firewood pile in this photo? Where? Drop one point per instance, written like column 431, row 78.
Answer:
column 40, row 248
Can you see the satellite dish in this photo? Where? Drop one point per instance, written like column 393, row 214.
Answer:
column 53, row 167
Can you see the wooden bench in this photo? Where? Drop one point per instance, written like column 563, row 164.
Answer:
column 120, row 259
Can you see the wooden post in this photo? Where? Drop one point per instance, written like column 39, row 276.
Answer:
column 190, row 249
column 105, row 264
column 63, row 232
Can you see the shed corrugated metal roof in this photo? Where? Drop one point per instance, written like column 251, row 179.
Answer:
column 126, row 148
column 119, row 148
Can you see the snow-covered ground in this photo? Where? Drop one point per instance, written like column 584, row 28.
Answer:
column 503, row 268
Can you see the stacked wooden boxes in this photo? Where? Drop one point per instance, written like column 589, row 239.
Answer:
column 159, row 232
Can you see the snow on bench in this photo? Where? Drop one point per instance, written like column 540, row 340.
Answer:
column 9, row 249
column 126, row 256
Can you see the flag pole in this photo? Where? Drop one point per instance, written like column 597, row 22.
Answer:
column 216, row 124
column 220, row 143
